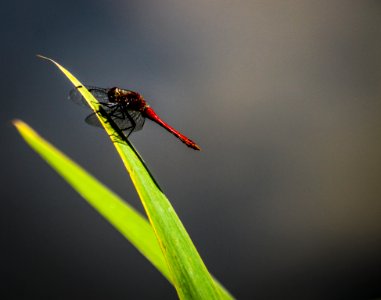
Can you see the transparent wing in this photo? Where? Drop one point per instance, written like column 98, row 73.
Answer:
column 99, row 93
column 126, row 121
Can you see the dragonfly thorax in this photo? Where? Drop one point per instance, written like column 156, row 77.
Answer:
column 131, row 99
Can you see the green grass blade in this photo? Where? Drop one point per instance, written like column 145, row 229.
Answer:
column 129, row 222
column 188, row 272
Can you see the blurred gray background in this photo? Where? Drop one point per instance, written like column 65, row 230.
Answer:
column 284, row 97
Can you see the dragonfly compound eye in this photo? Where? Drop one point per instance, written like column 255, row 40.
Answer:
column 113, row 94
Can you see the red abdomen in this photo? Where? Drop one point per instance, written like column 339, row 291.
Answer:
column 150, row 114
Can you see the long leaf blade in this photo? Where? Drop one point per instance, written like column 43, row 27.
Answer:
column 129, row 222
column 190, row 276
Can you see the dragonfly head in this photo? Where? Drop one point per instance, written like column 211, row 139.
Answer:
column 114, row 94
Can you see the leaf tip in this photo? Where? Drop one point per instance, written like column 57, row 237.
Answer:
column 21, row 126
column 43, row 57
column 18, row 123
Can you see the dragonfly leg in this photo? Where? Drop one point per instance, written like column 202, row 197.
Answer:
column 133, row 123
column 109, row 113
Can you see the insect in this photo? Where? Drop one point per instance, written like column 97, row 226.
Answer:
column 127, row 109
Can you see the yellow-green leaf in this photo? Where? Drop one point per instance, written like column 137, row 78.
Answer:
column 122, row 216
column 188, row 272
column 129, row 222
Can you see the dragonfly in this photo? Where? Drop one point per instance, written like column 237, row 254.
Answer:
column 127, row 109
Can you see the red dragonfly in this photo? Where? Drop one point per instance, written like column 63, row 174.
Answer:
column 127, row 109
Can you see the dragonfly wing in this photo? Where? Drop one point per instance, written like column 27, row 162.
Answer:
column 93, row 120
column 127, row 120
column 133, row 122
column 76, row 97
column 138, row 118
column 99, row 93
